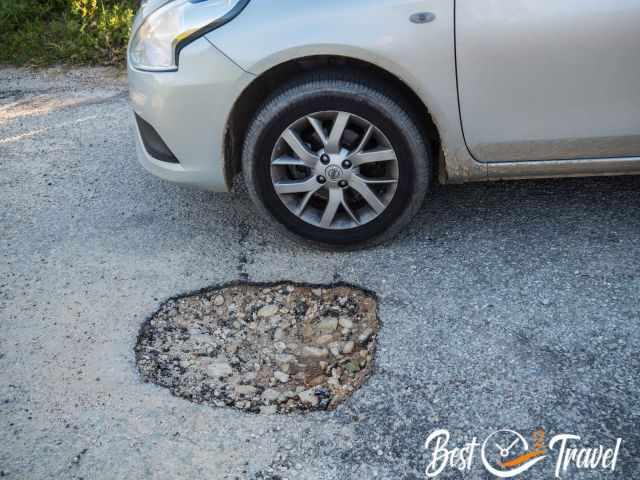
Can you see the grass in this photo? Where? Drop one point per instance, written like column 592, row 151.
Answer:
column 75, row 32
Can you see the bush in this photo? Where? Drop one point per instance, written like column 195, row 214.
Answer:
column 44, row 32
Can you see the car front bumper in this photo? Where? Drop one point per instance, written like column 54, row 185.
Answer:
column 189, row 110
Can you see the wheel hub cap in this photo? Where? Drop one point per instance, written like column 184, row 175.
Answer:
column 333, row 173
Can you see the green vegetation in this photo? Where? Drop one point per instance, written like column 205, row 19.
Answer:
column 45, row 32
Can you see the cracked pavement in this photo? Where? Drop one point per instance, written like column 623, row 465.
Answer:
column 503, row 305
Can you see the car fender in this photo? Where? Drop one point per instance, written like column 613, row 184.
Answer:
column 422, row 55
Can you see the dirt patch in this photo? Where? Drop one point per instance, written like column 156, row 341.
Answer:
column 264, row 349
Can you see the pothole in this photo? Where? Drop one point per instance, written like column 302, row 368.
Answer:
column 262, row 348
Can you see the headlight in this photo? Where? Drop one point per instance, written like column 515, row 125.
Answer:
column 157, row 42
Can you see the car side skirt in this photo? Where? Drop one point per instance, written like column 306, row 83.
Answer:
column 562, row 168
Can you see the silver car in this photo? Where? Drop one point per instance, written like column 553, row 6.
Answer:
column 339, row 114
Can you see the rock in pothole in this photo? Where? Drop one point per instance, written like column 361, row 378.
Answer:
column 263, row 349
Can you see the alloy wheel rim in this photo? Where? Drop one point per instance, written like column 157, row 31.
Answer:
column 334, row 170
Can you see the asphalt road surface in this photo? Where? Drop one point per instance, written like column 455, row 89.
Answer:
column 504, row 305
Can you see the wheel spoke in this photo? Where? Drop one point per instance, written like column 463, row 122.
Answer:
column 369, row 196
column 330, row 211
column 289, row 161
column 284, row 187
column 333, row 144
column 305, row 201
column 347, row 209
column 317, row 126
column 377, row 181
column 365, row 139
column 372, row 156
column 299, row 148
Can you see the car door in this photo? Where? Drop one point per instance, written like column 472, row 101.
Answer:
column 549, row 79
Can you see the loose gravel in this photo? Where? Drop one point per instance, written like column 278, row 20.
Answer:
column 263, row 349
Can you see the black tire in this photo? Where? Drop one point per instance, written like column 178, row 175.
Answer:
column 342, row 92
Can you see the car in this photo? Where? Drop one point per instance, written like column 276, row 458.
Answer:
column 340, row 115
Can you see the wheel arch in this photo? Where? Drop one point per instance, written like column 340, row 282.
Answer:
column 264, row 84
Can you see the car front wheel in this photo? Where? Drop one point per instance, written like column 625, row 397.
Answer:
column 336, row 162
